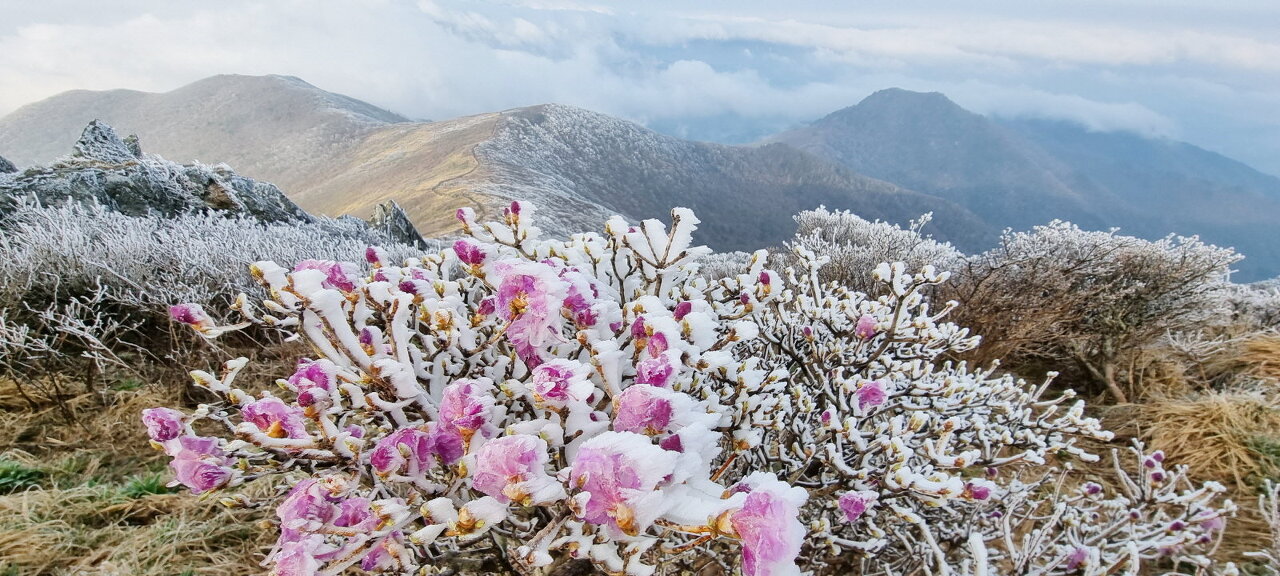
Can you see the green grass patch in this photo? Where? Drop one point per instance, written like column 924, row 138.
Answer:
column 140, row 486
column 15, row 477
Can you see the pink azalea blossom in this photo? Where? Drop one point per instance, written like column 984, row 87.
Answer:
column 199, row 475
column 618, row 473
column 295, row 559
column 192, row 315
column 198, row 463
column 407, row 451
column 1077, row 557
column 854, row 504
column 307, row 508
column 385, row 555
column 866, row 328
column 513, row 469
column 558, row 382
column 870, row 394
column 525, row 302
column 356, row 513
column 683, row 309
column 277, row 419
column 769, row 529
column 643, row 409
column 339, row 275
column 655, row 371
column 467, row 407
column 375, row 255
column 657, row 344
column 163, row 424
column 469, row 253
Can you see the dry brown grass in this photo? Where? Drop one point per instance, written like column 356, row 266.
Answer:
column 1214, row 433
column 1261, row 357
column 86, row 515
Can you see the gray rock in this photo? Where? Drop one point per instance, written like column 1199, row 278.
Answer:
column 100, row 142
column 390, row 219
column 6, row 166
column 105, row 170
column 135, row 147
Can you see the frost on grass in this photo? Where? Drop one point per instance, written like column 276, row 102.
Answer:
column 515, row 402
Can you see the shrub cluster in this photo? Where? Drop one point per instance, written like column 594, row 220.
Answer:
column 81, row 283
column 517, row 402
column 1090, row 303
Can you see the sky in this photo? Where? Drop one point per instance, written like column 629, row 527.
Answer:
column 730, row 71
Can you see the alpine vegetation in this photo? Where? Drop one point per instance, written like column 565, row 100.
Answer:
column 516, row 402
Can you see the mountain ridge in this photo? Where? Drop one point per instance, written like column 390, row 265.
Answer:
column 893, row 156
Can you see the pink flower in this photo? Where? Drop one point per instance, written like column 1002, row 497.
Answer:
column 558, row 382
column 198, row 463
column 870, row 394
column 356, row 513
column 643, row 409
column 768, row 526
column 526, row 302
column 163, row 424
column 1077, row 557
column 314, row 380
column 192, row 315
column 580, row 304
column 295, row 559
column 277, row 419
column 866, row 328
column 513, row 469
column 385, row 555
column 199, row 475
column 977, row 491
column 655, row 371
column 469, row 253
column 407, row 451
column 307, row 508
column 375, row 255
column 618, row 472
column 854, row 504
column 467, row 406
column 657, row 344
column 339, row 275
column 683, row 309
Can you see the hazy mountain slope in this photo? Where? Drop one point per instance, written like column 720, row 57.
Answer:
column 927, row 143
column 1171, row 187
column 335, row 155
column 745, row 195
column 276, row 128
column 1027, row 172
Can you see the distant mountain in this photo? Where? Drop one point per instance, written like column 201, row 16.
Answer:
column 335, row 155
column 1018, row 173
column 893, row 156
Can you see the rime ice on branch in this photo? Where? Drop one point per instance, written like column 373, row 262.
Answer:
column 532, row 401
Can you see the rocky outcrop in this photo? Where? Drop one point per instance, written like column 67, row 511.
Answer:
column 99, row 142
column 7, row 167
column 390, row 219
column 106, row 170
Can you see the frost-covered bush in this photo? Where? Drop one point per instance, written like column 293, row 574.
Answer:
column 1256, row 306
column 83, row 279
column 855, row 246
column 514, row 403
column 1092, row 300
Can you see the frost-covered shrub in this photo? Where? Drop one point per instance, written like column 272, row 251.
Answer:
column 513, row 403
column 83, row 279
column 1256, row 306
column 855, row 246
column 1092, row 300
